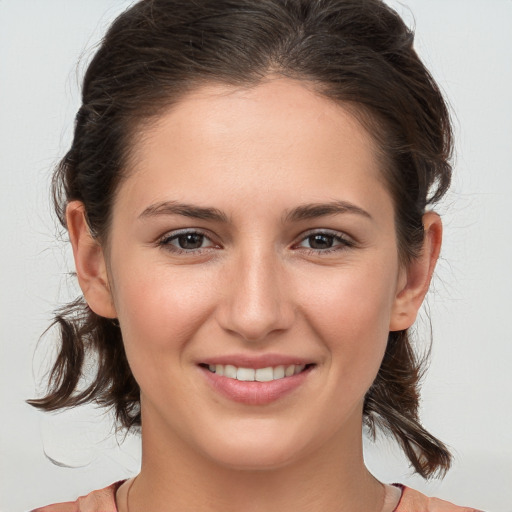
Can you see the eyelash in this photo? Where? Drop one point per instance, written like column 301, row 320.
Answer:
column 165, row 242
column 343, row 242
column 342, row 239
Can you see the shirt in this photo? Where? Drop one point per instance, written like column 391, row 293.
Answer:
column 104, row 500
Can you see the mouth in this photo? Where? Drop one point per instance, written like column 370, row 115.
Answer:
column 267, row 374
column 257, row 379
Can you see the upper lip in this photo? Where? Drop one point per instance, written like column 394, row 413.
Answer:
column 255, row 361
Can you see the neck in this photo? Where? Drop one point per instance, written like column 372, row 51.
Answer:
column 332, row 479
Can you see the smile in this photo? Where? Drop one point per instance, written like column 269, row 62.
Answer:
column 256, row 386
column 259, row 375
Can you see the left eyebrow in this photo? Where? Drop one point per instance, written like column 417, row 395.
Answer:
column 314, row 210
column 186, row 210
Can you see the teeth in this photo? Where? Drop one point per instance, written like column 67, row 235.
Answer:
column 278, row 372
column 260, row 375
column 245, row 374
column 230, row 371
column 264, row 374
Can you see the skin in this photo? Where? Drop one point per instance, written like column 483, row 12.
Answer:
column 257, row 285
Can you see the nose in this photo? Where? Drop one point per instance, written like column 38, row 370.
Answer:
column 258, row 300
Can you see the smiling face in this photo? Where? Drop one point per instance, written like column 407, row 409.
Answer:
column 254, row 271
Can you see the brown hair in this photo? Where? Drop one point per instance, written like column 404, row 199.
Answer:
column 356, row 52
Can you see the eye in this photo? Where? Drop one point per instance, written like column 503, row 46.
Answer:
column 186, row 241
column 325, row 242
column 319, row 241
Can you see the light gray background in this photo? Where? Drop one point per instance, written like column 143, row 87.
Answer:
column 468, row 391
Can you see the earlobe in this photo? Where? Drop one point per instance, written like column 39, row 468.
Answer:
column 90, row 262
column 417, row 275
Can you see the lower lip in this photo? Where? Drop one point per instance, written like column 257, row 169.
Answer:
column 254, row 392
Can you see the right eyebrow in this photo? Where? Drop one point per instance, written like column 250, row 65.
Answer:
column 184, row 209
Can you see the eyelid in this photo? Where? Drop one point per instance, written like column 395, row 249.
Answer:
column 345, row 240
column 164, row 240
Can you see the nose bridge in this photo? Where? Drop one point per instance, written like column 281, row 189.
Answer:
column 258, row 302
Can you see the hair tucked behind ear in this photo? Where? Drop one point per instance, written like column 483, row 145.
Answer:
column 358, row 53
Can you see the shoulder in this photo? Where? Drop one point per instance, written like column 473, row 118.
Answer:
column 102, row 500
column 414, row 501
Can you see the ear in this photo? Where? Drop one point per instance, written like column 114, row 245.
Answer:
column 90, row 263
column 415, row 278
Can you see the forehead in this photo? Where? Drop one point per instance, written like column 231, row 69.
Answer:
column 279, row 133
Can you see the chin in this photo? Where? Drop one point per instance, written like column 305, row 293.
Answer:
column 258, row 448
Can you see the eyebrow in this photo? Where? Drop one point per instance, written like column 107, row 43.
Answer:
column 302, row 212
column 184, row 209
column 314, row 210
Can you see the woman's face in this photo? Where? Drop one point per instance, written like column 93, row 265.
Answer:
column 254, row 239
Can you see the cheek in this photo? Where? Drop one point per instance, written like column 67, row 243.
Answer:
column 352, row 315
column 159, row 307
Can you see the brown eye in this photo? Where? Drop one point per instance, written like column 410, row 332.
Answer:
column 325, row 242
column 186, row 241
column 321, row 241
column 190, row 241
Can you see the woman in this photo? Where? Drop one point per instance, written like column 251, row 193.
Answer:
column 247, row 196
